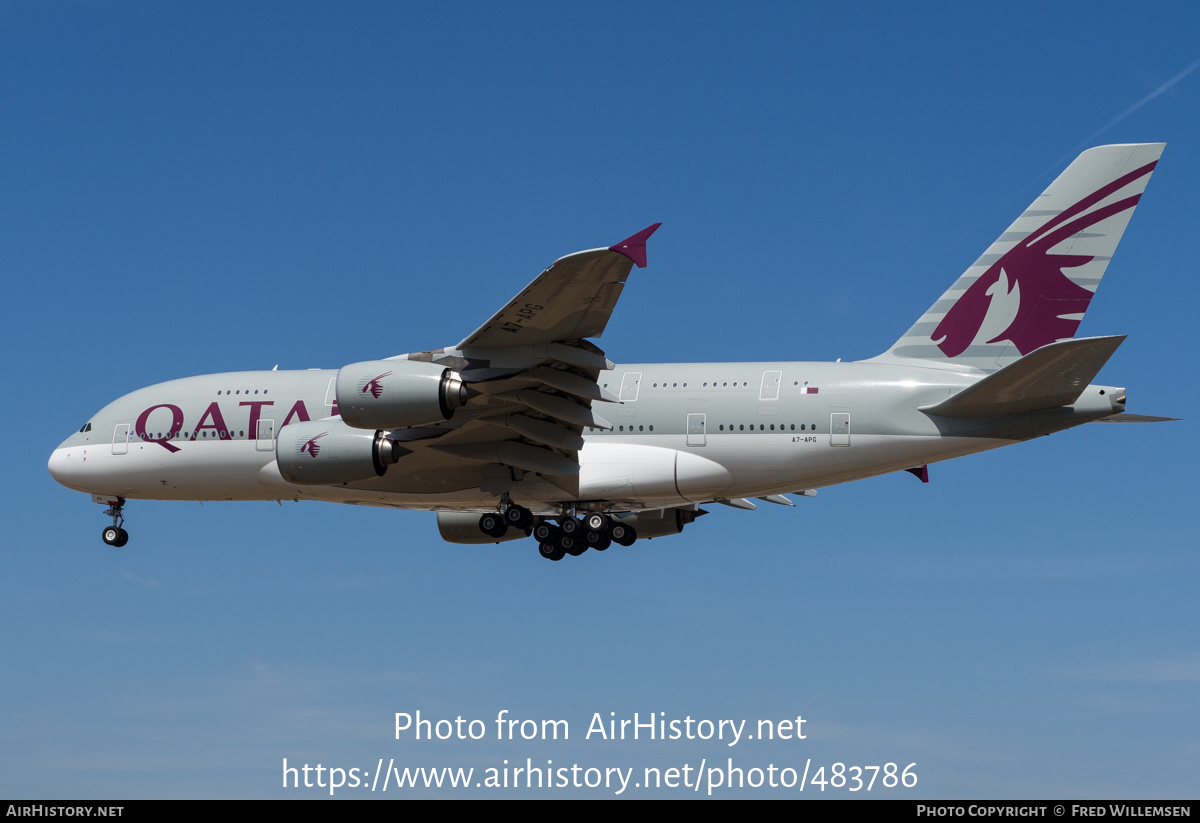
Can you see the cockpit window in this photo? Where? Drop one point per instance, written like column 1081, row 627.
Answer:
column 86, row 428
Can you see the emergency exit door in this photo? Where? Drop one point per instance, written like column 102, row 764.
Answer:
column 839, row 429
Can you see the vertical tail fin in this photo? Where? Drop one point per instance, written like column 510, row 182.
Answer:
column 1034, row 283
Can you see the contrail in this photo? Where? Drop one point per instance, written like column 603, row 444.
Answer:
column 1092, row 137
column 1164, row 87
column 1058, row 165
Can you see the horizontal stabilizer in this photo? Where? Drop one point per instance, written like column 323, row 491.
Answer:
column 1054, row 375
column 1134, row 418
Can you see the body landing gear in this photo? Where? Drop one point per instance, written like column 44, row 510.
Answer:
column 114, row 535
column 572, row 536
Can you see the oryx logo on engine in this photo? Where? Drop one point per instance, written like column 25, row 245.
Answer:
column 311, row 447
column 373, row 385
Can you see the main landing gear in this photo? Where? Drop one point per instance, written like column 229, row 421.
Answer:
column 573, row 536
column 114, row 535
column 496, row 524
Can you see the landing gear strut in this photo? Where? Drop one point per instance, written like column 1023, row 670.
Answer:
column 114, row 535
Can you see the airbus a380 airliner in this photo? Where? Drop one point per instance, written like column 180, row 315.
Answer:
column 526, row 428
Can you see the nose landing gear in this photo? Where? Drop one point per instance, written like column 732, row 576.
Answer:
column 114, row 535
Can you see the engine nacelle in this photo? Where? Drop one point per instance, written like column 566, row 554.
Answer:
column 396, row 394
column 328, row 452
column 661, row 522
column 463, row 527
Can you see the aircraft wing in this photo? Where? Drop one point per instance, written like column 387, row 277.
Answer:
column 569, row 301
column 533, row 375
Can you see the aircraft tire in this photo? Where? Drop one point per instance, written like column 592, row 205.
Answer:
column 603, row 541
column 518, row 517
column 546, row 533
column 571, row 526
column 598, row 522
column 111, row 535
column 492, row 524
column 572, row 545
column 623, row 535
column 122, row 539
column 550, row 551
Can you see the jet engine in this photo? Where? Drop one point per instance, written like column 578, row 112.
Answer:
column 463, row 527
column 327, row 452
column 396, row 394
column 661, row 522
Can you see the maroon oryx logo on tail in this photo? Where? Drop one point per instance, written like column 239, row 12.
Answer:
column 312, row 448
column 374, row 386
column 1036, row 276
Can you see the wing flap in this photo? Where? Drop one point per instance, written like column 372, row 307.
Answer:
column 519, row 455
column 561, row 409
column 541, row 431
column 570, row 383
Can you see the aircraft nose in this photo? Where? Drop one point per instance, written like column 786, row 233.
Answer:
column 66, row 465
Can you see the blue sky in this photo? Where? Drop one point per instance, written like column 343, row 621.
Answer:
column 196, row 188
